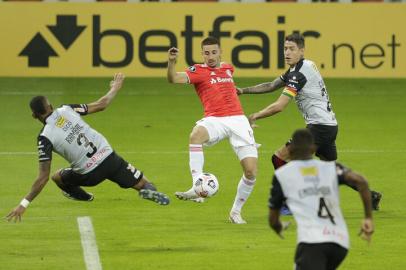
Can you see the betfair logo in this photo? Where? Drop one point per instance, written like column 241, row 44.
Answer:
column 38, row 50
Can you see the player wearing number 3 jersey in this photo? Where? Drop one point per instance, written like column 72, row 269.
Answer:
column 91, row 158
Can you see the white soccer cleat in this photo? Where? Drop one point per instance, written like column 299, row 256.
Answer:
column 198, row 200
column 236, row 218
column 189, row 195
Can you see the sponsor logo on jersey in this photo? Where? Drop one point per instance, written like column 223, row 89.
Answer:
column 332, row 231
column 96, row 158
column 221, row 80
column 314, row 191
column 60, row 122
column 212, row 73
column 74, row 132
column 293, row 80
column 306, row 171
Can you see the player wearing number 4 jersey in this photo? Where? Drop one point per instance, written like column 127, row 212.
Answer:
column 303, row 83
column 223, row 119
column 310, row 188
column 91, row 158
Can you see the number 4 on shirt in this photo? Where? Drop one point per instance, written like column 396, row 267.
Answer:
column 324, row 212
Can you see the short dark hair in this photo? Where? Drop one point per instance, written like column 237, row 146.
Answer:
column 210, row 41
column 302, row 143
column 296, row 38
column 38, row 105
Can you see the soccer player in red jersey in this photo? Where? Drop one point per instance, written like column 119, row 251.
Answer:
column 223, row 118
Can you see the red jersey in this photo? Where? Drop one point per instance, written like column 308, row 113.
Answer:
column 216, row 89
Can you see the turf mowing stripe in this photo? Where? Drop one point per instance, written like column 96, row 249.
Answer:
column 88, row 239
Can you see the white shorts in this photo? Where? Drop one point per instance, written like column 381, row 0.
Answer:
column 236, row 128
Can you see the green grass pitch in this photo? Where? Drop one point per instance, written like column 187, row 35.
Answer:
column 148, row 124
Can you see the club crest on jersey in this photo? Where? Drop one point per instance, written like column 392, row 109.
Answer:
column 229, row 73
column 192, row 68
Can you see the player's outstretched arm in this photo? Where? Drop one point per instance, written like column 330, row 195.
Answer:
column 104, row 101
column 42, row 179
column 272, row 109
column 172, row 75
column 262, row 88
column 367, row 225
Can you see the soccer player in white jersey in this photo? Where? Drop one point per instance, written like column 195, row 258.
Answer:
column 223, row 119
column 310, row 188
column 303, row 83
column 91, row 158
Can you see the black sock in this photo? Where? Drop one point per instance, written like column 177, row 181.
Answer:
column 75, row 191
column 149, row 186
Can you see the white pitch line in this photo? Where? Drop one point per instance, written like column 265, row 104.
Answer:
column 357, row 151
column 88, row 239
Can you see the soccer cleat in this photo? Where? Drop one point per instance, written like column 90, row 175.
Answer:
column 376, row 198
column 86, row 196
column 285, row 211
column 198, row 200
column 187, row 195
column 236, row 218
column 155, row 196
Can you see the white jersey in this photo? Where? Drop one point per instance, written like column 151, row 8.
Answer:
column 305, row 84
column 310, row 188
column 68, row 135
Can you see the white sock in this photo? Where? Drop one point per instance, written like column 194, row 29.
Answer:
column 196, row 159
column 244, row 190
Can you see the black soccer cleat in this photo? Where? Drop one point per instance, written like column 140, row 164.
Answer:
column 376, row 198
column 86, row 197
column 155, row 196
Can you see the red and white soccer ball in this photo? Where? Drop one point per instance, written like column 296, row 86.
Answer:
column 206, row 185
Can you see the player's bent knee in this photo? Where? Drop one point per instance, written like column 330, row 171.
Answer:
column 199, row 135
column 250, row 174
column 56, row 177
column 247, row 151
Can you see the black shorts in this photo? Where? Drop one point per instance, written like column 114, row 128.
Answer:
column 114, row 168
column 325, row 140
column 319, row 256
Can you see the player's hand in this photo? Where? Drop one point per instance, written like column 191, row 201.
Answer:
column 285, row 226
column 367, row 229
column 239, row 91
column 117, row 82
column 173, row 54
column 16, row 214
column 252, row 120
